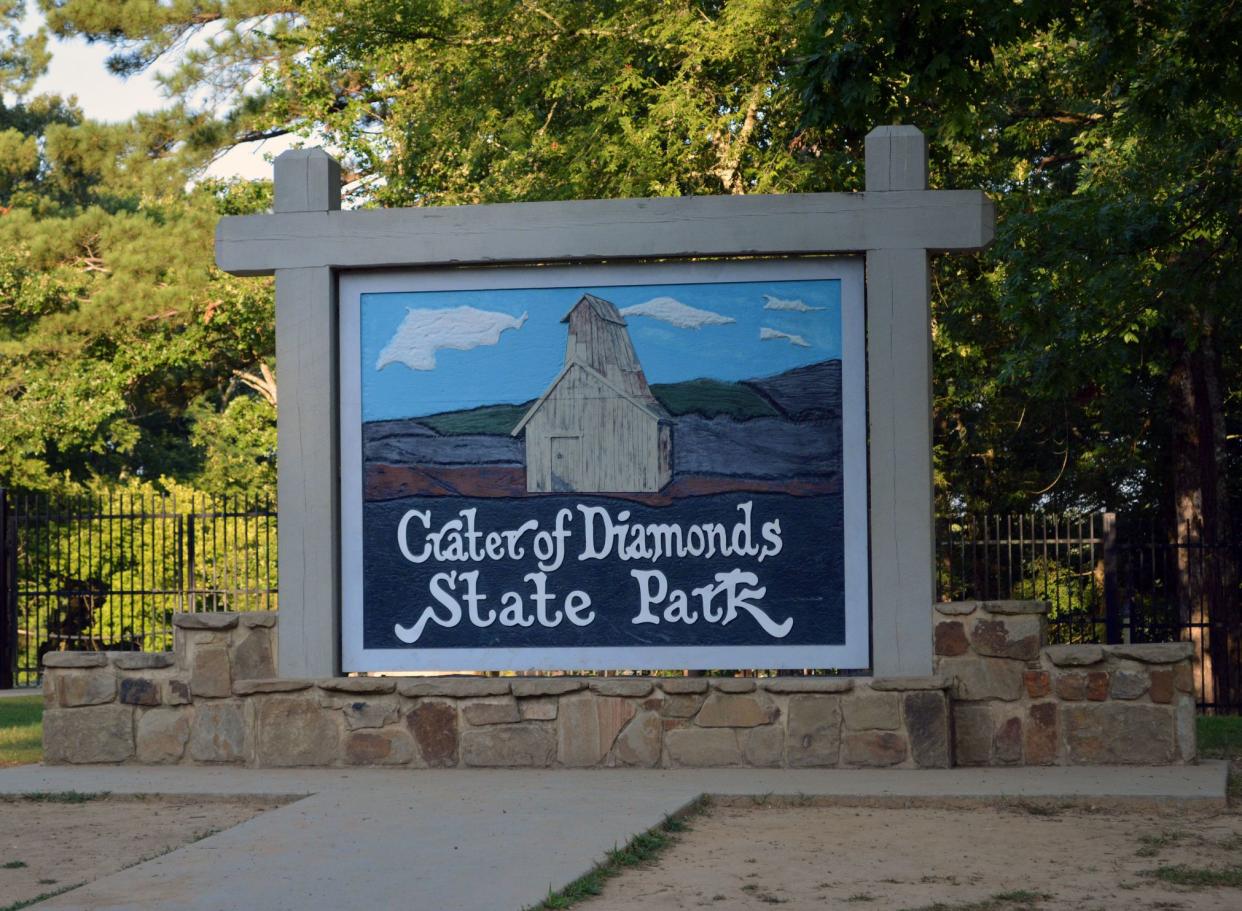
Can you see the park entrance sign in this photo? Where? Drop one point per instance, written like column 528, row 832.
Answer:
column 627, row 433
column 639, row 466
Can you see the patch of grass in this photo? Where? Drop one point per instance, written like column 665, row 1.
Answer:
column 1198, row 877
column 63, row 796
column 1220, row 736
column 1018, row 900
column 21, row 730
column 27, row 902
column 861, row 897
column 1154, row 844
column 641, row 849
column 13, row 864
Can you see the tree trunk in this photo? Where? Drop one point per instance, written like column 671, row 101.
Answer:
column 1207, row 570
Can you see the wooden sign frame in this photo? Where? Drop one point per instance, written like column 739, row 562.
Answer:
column 308, row 243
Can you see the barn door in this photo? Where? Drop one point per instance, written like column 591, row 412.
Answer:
column 566, row 455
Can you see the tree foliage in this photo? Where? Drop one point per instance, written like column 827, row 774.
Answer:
column 1088, row 358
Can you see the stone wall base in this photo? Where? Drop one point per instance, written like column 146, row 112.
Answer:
column 1000, row 698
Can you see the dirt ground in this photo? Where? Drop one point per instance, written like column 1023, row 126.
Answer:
column 982, row 859
column 48, row 845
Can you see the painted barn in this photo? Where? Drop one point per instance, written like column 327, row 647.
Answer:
column 597, row 428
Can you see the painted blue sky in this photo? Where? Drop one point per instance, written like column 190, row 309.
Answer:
column 773, row 327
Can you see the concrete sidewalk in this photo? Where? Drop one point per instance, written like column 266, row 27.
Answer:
column 492, row 840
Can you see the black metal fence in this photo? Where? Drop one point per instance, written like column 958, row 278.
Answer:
column 1112, row 579
column 108, row 572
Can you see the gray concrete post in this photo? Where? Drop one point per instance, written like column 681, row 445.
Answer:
column 899, row 404
column 307, row 484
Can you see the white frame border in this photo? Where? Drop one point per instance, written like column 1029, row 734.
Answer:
column 854, row 654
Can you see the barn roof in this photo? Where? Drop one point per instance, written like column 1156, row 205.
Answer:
column 605, row 310
column 654, row 409
column 599, row 343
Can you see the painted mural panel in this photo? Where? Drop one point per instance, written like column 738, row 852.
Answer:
column 613, row 469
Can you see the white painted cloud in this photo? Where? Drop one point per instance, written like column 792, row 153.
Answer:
column 672, row 311
column 772, row 302
column 424, row 332
column 770, row 335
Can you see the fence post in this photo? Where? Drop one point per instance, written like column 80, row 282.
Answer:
column 1112, row 593
column 8, row 591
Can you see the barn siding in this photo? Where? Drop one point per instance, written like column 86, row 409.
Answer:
column 621, row 443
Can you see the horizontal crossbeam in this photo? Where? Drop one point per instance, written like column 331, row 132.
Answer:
column 588, row 230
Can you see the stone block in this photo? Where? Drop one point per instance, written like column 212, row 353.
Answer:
column 434, row 726
column 950, row 640
column 1015, row 607
column 139, row 691
column 636, row 687
column 733, row 684
column 957, row 608
column 866, row 710
column 1072, row 687
column 907, row 684
column 386, row 747
column 538, row 709
column 271, row 685
column 359, row 686
column 683, row 685
column 368, row 714
column 807, row 684
column 1097, row 686
column 703, row 747
column 75, row 659
column 1038, row 683
column 296, row 731
column 141, row 661
column 638, row 744
column 205, row 621
column 218, row 732
column 1074, row 655
column 261, row 618
column 177, row 692
column 1162, row 685
column 763, row 747
column 588, row 725
column 726, row 710
column 1184, row 721
column 492, row 711
column 455, row 687
column 546, row 686
column 1184, row 678
column 681, row 706
column 813, row 730
column 977, row 679
column 252, row 658
column 1041, row 734
column 162, row 735
column 1007, row 742
column 973, row 732
column 1118, row 733
column 1155, row 652
column 1017, row 637
column 86, row 688
column 100, row 733
column 528, row 745
column 927, row 725
column 1128, row 684
column 874, row 749
column 209, row 670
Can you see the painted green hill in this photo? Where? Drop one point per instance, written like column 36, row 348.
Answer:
column 712, row 398
column 709, row 398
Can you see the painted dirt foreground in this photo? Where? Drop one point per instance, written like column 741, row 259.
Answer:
column 802, row 858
